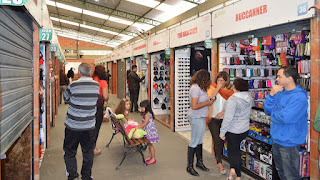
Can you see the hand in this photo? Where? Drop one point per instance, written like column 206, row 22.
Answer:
column 275, row 89
column 222, row 137
column 219, row 85
column 219, row 115
column 210, row 101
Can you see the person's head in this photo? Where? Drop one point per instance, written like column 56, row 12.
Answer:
column 123, row 105
column 134, row 68
column 146, row 107
column 61, row 71
column 84, row 70
column 287, row 76
column 240, row 85
column 224, row 78
column 100, row 72
column 108, row 71
column 202, row 78
column 71, row 68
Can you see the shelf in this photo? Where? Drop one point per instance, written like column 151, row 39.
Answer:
column 255, row 77
column 257, row 108
column 259, row 122
column 250, row 66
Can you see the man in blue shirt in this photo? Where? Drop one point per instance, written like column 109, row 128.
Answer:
column 287, row 104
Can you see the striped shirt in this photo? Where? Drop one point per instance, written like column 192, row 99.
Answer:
column 82, row 96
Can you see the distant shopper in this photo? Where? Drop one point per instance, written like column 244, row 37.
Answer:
column 221, row 89
column 235, row 124
column 99, row 75
column 134, row 87
column 108, row 75
column 64, row 82
column 70, row 74
column 198, row 112
column 82, row 96
column 316, row 125
column 287, row 104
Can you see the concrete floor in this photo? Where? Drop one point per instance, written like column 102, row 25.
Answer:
column 171, row 154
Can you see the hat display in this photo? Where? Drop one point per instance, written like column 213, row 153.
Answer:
column 155, row 64
column 161, row 73
column 155, row 78
column 161, row 86
column 166, row 86
column 161, row 78
column 163, row 106
column 155, row 86
column 155, row 73
column 155, row 59
column 162, row 68
column 156, row 101
column 155, row 68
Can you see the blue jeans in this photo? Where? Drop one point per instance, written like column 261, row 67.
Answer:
column 287, row 161
column 198, row 127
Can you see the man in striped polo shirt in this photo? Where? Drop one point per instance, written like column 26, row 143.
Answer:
column 82, row 96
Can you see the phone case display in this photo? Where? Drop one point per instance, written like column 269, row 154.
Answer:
column 160, row 87
column 128, row 69
column 258, row 60
column 142, row 70
column 182, row 86
column 200, row 59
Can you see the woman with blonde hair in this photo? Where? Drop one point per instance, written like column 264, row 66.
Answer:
column 221, row 89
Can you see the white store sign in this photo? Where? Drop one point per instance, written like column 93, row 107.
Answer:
column 158, row 42
column 193, row 31
column 250, row 15
column 140, row 48
column 127, row 51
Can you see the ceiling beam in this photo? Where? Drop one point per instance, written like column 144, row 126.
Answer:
column 89, row 23
column 106, row 10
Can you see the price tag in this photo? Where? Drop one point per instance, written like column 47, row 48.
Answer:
column 45, row 35
column 208, row 43
column 13, row 2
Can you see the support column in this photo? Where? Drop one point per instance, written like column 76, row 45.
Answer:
column 314, row 94
column 48, row 105
column 36, row 107
column 171, row 90
column 214, row 71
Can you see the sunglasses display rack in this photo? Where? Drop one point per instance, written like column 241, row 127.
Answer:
column 260, row 69
column 182, row 86
column 160, row 84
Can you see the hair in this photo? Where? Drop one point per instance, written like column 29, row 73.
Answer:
column 202, row 78
column 85, row 69
column 100, row 72
column 225, row 76
column 134, row 66
column 120, row 109
column 241, row 84
column 147, row 105
column 291, row 71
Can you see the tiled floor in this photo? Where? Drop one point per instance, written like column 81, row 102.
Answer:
column 207, row 139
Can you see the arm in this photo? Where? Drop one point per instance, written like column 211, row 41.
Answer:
column 316, row 124
column 292, row 112
column 228, row 116
column 195, row 105
column 146, row 121
column 67, row 94
column 270, row 104
column 136, row 77
column 105, row 93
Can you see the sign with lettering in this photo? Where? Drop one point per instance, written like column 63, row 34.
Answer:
column 140, row 48
column 45, row 35
column 13, row 2
column 159, row 42
column 196, row 30
column 208, row 43
column 53, row 47
column 244, row 16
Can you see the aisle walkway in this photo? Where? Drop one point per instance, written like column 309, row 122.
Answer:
column 171, row 153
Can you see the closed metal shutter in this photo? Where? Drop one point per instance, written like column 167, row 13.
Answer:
column 120, row 79
column 15, row 74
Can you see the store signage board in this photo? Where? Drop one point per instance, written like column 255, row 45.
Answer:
column 45, row 35
column 244, row 16
column 127, row 51
column 208, row 43
column 158, row 42
column 13, row 2
column 140, row 48
column 196, row 30
column 53, row 47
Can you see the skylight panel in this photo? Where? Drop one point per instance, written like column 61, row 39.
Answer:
column 69, row 22
column 107, row 31
column 148, row 3
column 89, row 27
column 145, row 27
column 95, row 14
column 121, row 21
column 68, row 7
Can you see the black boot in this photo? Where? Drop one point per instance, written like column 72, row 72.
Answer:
column 190, row 168
column 200, row 164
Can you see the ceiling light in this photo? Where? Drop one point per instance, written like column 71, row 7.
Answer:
column 145, row 27
column 68, row 7
column 118, row 20
column 64, row 21
column 107, row 31
column 95, row 14
column 148, row 3
column 89, row 27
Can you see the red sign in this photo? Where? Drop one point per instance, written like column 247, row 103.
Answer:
column 140, row 47
column 283, row 59
column 128, row 51
column 188, row 32
column 251, row 13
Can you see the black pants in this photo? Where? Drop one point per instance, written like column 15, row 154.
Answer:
column 99, row 117
column 214, row 127
column 234, row 152
column 134, row 99
column 71, row 142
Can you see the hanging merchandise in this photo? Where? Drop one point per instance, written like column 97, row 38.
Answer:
column 182, row 86
column 160, row 77
column 142, row 70
column 200, row 59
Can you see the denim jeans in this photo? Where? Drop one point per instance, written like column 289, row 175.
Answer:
column 287, row 161
column 198, row 127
